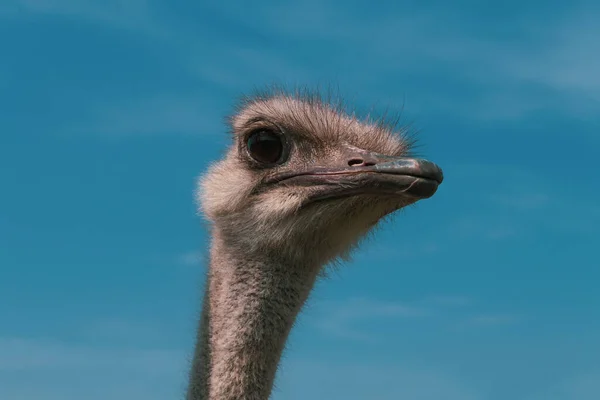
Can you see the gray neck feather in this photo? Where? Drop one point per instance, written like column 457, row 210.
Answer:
column 249, row 308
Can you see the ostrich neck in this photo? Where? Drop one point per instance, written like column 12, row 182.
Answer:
column 249, row 308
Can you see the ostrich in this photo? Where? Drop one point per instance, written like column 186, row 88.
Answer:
column 302, row 184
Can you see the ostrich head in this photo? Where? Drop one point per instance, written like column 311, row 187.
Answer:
column 305, row 181
column 302, row 183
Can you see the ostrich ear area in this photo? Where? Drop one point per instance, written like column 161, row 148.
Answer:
column 400, row 176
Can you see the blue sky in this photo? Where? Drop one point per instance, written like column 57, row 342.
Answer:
column 109, row 110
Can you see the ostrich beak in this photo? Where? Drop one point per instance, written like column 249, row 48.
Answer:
column 420, row 177
column 363, row 172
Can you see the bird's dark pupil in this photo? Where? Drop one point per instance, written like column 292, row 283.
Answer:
column 265, row 147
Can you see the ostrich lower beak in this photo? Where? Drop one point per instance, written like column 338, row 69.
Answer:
column 392, row 176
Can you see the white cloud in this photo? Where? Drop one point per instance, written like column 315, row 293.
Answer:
column 344, row 319
column 132, row 15
column 354, row 319
column 448, row 300
column 370, row 381
column 493, row 319
column 191, row 259
column 163, row 114
column 125, row 331
column 551, row 67
column 517, row 203
column 582, row 386
column 18, row 354
column 408, row 250
column 35, row 369
column 484, row 227
column 568, row 60
column 242, row 69
column 523, row 200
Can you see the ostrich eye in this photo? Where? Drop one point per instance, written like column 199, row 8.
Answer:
column 265, row 146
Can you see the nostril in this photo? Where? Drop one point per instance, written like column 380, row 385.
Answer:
column 359, row 162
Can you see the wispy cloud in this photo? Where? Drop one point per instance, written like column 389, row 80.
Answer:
column 484, row 227
column 367, row 380
column 550, row 67
column 232, row 66
column 124, row 331
column 49, row 369
column 408, row 250
column 354, row 319
column 155, row 116
column 447, row 301
column 493, row 319
column 23, row 354
column 568, row 59
column 581, row 386
column 132, row 15
column 191, row 259
column 516, row 204
column 344, row 319
column 523, row 200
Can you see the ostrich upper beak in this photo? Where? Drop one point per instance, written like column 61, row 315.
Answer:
column 364, row 172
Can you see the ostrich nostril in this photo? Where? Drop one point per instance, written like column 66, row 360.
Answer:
column 359, row 162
